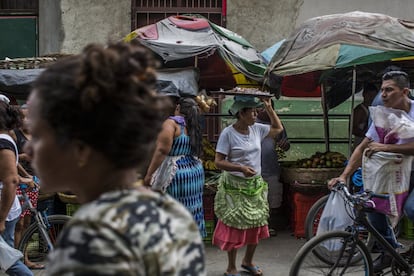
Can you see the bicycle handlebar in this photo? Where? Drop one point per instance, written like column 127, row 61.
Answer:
column 360, row 198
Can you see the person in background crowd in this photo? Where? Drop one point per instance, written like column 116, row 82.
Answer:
column 409, row 208
column 271, row 170
column 361, row 114
column 175, row 167
column 394, row 94
column 20, row 136
column 241, row 200
column 9, row 179
column 94, row 118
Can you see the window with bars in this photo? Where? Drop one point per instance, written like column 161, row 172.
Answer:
column 19, row 7
column 145, row 12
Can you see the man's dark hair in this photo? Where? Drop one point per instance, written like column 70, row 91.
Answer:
column 399, row 77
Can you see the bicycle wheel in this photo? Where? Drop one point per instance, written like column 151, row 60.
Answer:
column 314, row 215
column 340, row 248
column 33, row 245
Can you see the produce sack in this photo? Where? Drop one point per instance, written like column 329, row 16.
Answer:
column 336, row 215
column 392, row 125
column 8, row 255
column 388, row 173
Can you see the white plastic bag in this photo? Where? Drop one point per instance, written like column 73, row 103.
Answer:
column 335, row 216
column 8, row 255
column 391, row 124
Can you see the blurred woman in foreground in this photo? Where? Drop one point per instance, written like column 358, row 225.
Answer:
column 93, row 118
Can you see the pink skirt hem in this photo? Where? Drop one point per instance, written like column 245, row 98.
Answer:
column 228, row 238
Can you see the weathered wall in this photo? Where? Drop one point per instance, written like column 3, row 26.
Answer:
column 263, row 23
column 50, row 27
column 66, row 26
column 82, row 22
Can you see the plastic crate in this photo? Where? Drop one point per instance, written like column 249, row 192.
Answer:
column 301, row 205
column 208, row 206
column 408, row 229
column 71, row 208
column 210, row 225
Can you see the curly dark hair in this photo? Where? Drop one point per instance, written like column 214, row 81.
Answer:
column 104, row 97
column 9, row 117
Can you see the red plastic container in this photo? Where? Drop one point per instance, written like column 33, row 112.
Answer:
column 208, row 205
column 301, row 205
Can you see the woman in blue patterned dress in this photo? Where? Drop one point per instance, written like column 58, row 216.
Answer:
column 175, row 167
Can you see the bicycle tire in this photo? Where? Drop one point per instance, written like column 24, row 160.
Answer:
column 335, row 246
column 33, row 244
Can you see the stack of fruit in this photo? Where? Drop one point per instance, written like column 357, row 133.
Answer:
column 329, row 159
column 209, row 153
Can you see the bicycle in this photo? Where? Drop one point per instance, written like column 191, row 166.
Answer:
column 314, row 215
column 343, row 252
column 41, row 235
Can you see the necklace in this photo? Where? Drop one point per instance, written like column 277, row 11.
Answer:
column 241, row 130
column 244, row 134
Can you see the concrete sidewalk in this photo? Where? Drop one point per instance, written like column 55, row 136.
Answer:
column 273, row 255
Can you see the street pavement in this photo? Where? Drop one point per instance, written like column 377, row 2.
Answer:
column 273, row 255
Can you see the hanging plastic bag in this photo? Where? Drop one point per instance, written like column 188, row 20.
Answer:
column 391, row 125
column 336, row 215
column 8, row 255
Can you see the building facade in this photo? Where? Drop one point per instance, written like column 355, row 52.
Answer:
column 66, row 26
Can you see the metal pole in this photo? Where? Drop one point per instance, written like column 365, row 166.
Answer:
column 325, row 117
column 351, row 123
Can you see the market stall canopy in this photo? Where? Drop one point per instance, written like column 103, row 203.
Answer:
column 331, row 50
column 270, row 52
column 220, row 54
column 323, row 46
column 179, row 82
column 343, row 40
column 16, row 82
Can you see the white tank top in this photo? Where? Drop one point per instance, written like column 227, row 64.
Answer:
column 15, row 209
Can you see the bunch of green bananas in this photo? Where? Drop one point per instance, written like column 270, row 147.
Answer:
column 280, row 152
